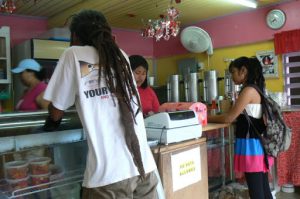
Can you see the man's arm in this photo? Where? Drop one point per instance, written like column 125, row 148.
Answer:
column 55, row 113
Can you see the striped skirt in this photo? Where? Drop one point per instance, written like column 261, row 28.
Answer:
column 249, row 156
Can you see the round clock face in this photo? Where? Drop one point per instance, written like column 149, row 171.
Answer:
column 275, row 19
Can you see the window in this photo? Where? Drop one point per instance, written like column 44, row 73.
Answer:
column 291, row 62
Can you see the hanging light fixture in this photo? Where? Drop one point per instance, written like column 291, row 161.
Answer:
column 9, row 6
column 247, row 3
column 164, row 27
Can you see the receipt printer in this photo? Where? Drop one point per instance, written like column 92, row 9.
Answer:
column 170, row 127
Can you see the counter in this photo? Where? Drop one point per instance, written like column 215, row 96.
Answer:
column 214, row 126
column 22, row 132
column 183, row 169
column 216, row 149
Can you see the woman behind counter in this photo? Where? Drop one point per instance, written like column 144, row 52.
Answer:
column 139, row 66
column 32, row 76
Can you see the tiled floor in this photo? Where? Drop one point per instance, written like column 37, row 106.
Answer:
column 295, row 195
column 279, row 195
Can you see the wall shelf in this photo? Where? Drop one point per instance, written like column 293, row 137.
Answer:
column 5, row 63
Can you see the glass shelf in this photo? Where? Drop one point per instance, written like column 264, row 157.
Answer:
column 70, row 183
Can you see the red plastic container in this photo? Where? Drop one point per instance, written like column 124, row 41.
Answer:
column 40, row 179
column 18, row 183
column 39, row 166
column 16, row 170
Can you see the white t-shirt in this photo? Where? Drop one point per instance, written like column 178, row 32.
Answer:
column 75, row 80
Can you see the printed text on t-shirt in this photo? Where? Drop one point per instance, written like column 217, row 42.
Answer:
column 103, row 92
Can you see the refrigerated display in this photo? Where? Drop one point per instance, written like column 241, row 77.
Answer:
column 39, row 164
column 45, row 52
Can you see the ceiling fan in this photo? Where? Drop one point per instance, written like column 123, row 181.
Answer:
column 196, row 40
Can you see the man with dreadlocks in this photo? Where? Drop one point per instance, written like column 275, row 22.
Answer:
column 95, row 75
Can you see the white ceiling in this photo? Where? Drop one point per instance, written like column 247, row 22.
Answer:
column 132, row 14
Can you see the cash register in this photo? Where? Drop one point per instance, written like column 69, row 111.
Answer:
column 170, row 127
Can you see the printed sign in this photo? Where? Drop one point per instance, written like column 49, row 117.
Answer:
column 268, row 60
column 186, row 168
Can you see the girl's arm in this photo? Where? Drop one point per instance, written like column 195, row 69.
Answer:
column 247, row 96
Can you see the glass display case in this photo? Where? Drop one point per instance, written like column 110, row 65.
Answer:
column 220, row 146
column 38, row 164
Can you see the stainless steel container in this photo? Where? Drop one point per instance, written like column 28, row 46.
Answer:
column 168, row 91
column 231, row 89
column 173, row 88
column 229, row 85
column 210, row 85
column 151, row 81
column 192, row 93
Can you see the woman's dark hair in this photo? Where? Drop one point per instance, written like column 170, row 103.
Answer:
column 40, row 75
column 91, row 28
column 254, row 68
column 136, row 61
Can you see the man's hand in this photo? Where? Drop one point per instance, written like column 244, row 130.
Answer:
column 54, row 118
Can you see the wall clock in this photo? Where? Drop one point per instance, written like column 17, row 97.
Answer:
column 275, row 18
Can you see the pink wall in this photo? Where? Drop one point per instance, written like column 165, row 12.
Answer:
column 23, row 27
column 133, row 43
column 236, row 29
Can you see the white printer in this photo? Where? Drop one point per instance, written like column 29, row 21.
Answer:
column 170, row 127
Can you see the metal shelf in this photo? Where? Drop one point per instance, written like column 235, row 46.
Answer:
column 25, row 142
column 69, row 178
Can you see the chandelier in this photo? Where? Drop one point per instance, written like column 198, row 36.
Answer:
column 165, row 27
column 9, row 6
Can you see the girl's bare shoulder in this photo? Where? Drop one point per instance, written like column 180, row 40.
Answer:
column 250, row 93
